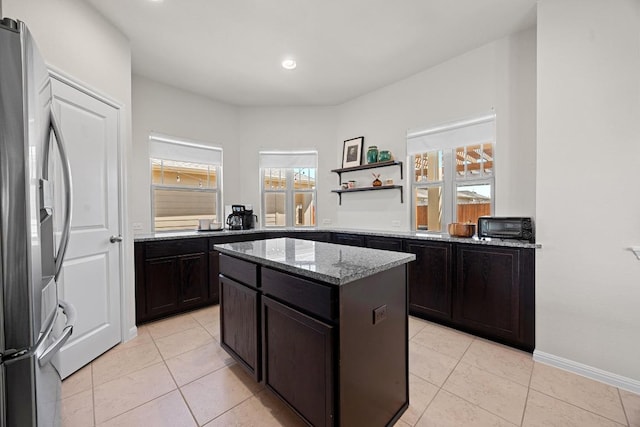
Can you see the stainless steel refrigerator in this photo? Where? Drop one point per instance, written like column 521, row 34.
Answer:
column 34, row 323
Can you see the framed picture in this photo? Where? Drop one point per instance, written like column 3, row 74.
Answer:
column 352, row 152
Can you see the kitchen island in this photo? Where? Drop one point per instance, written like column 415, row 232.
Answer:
column 323, row 326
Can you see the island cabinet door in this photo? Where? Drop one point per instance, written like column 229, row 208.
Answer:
column 488, row 290
column 239, row 327
column 430, row 288
column 298, row 361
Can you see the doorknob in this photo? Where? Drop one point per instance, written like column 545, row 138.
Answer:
column 115, row 239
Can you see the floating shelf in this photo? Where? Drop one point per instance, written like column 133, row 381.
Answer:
column 382, row 187
column 368, row 166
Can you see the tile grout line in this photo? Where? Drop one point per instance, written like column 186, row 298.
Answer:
column 526, row 400
column 624, row 410
column 581, row 408
column 484, row 370
column 93, row 396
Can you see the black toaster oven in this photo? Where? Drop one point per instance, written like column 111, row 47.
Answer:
column 519, row 228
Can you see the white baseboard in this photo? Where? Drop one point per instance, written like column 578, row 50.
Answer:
column 587, row 371
column 133, row 332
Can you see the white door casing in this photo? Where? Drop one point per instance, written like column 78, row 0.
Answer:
column 91, row 273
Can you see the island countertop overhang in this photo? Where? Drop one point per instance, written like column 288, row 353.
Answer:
column 326, row 262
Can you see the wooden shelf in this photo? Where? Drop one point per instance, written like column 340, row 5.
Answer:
column 382, row 187
column 369, row 166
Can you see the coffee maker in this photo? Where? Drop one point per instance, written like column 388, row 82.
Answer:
column 241, row 218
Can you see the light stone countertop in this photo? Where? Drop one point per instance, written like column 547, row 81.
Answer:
column 325, row 262
column 416, row 235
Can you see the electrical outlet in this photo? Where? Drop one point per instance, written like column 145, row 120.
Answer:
column 326, row 221
column 395, row 223
column 379, row 314
column 137, row 226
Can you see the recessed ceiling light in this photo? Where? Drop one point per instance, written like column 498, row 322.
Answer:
column 156, row 1
column 289, row 64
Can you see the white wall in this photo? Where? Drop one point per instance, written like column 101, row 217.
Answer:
column 499, row 75
column 174, row 112
column 296, row 128
column 588, row 204
column 77, row 41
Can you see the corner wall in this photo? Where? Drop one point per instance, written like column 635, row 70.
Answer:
column 77, row 41
column 588, row 204
column 500, row 76
column 174, row 112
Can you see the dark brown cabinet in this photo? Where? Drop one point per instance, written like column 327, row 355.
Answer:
column 385, row 243
column 295, row 347
column 348, row 239
column 214, row 270
column 323, row 351
column 239, row 325
column 430, row 279
column 171, row 276
column 494, row 292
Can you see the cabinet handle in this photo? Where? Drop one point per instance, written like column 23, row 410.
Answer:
column 115, row 239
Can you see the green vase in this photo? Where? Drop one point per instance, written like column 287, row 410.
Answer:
column 384, row 156
column 372, row 154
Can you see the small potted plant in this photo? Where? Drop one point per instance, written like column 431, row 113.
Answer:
column 376, row 180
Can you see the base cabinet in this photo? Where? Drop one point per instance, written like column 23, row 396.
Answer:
column 239, row 326
column 298, row 361
column 171, row 277
column 495, row 292
column 430, row 279
column 321, row 349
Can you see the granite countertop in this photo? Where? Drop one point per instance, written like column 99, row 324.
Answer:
column 417, row 235
column 326, row 262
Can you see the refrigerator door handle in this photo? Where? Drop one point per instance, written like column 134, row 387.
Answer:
column 66, row 170
column 70, row 312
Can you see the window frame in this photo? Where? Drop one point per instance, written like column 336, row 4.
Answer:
column 449, row 183
column 450, row 180
column 289, row 191
column 212, row 168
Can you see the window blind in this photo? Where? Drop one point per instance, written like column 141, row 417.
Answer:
column 167, row 148
column 288, row 159
column 452, row 135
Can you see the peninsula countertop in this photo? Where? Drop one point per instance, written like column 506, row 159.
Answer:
column 326, row 262
column 413, row 235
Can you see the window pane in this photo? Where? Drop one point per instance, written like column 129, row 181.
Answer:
column 473, row 201
column 304, row 178
column 275, row 179
column 275, row 211
column 487, row 156
column 305, row 209
column 181, row 209
column 429, row 167
column 182, row 174
column 156, row 171
column 474, row 161
column 428, row 201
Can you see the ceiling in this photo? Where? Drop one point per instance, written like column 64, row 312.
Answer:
column 231, row 50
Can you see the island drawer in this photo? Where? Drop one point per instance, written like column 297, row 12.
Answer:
column 243, row 271
column 304, row 294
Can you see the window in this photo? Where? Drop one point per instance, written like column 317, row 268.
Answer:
column 453, row 178
column 288, row 181
column 185, row 183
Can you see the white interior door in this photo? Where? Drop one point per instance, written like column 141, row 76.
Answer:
column 90, row 278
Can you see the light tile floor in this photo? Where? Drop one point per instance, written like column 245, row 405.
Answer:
column 175, row 374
